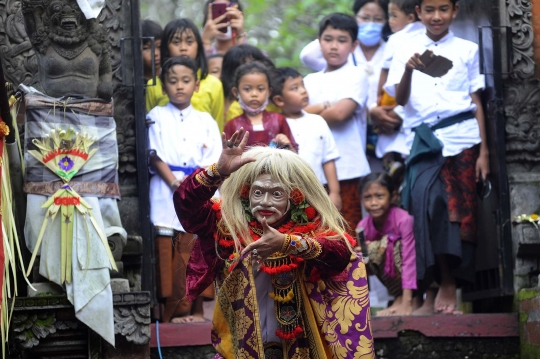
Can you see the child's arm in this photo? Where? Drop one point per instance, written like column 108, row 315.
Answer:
column 482, row 164
column 285, row 137
column 330, row 172
column 403, row 89
column 382, row 81
column 317, row 108
column 165, row 172
column 311, row 56
column 408, row 253
column 339, row 112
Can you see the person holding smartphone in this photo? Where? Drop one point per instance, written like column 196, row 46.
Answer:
column 223, row 26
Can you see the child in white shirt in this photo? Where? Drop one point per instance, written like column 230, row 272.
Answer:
column 387, row 117
column 449, row 153
column 339, row 94
column 316, row 143
column 182, row 139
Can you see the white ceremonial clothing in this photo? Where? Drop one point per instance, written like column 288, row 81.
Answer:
column 315, row 142
column 397, row 141
column 347, row 82
column 398, row 40
column 312, row 57
column 90, row 290
column 187, row 138
column 434, row 99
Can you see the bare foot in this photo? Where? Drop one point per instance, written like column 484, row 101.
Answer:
column 198, row 318
column 446, row 301
column 180, row 320
column 401, row 309
column 428, row 307
column 391, row 309
column 417, row 302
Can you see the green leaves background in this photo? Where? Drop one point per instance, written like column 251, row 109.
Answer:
column 279, row 27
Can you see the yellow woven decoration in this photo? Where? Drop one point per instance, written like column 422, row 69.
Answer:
column 4, row 129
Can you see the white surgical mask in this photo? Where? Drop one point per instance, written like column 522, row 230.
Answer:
column 225, row 36
column 370, row 33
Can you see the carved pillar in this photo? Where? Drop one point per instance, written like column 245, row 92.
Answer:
column 116, row 18
column 522, row 112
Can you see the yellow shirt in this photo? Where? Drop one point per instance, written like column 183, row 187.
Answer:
column 209, row 98
column 235, row 110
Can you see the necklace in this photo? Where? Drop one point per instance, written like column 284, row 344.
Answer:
column 72, row 53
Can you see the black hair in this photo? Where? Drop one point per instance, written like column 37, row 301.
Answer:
column 454, row 2
column 206, row 5
column 359, row 4
column 279, row 76
column 340, row 21
column 381, row 178
column 214, row 56
column 407, row 6
column 177, row 61
column 254, row 67
column 178, row 27
column 236, row 56
column 151, row 28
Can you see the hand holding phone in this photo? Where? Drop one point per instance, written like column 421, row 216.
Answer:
column 218, row 11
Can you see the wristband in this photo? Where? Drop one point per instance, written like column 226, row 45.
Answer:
column 286, row 244
column 210, row 177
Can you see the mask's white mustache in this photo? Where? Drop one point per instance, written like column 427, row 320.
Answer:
column 261, row 208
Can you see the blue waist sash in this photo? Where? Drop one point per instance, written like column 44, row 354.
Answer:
column 187, row 170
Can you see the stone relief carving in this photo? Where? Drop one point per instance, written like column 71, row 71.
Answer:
column 21, row 66
column 522, row 110
column 112, row 18
column 73, row 52
column 29, row 328
column 522, row 93
column 18, row 55
column 520, row 14
column 132, row 316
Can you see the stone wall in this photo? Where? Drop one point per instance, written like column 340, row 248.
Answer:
column 529, row 323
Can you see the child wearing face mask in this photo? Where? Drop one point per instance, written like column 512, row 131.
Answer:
column 253, row 90
column 181, row 38
column 373, row 30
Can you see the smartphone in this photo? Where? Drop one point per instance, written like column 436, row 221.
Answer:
column 219, row 9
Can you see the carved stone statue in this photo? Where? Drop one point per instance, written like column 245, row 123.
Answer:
column 73, row 52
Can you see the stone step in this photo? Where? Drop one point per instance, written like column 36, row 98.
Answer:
column 503, row 325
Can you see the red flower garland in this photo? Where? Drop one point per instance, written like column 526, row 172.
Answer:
column 310, row 212
column 216, row 207
column 244, row 191
column 296, row 196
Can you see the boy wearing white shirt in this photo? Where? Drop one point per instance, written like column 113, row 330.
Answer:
column 316, row 143
column 448, row 148
column 387, row 117
column 182, row 139
column 339, row 94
